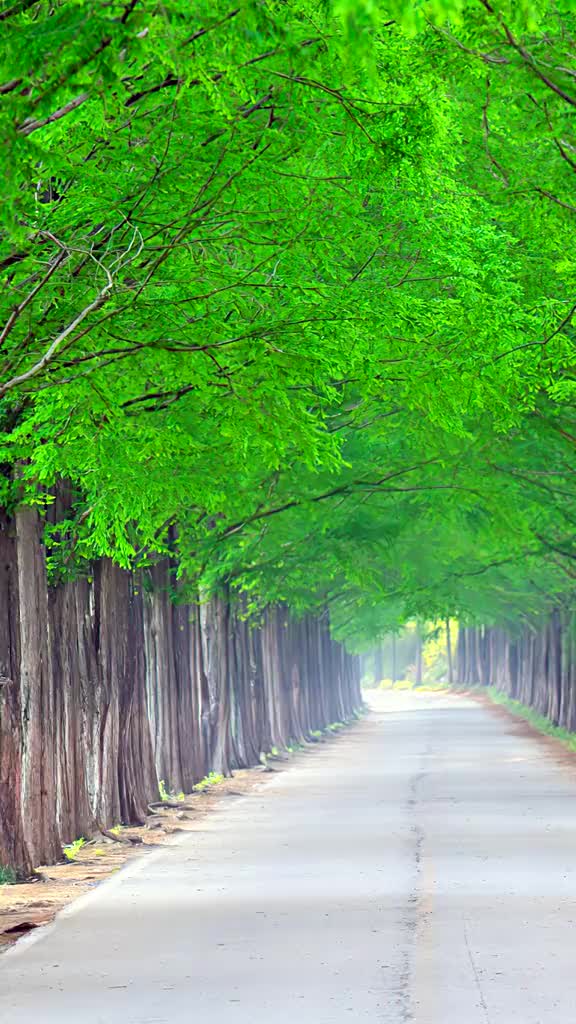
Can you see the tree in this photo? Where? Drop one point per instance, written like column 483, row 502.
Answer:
column 287, row 289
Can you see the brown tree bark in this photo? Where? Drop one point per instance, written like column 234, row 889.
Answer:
column 39, row 766
column 215, row 623
column 14, row 852
column 101, row 684
column 161, row 679
column 74, row 675
column 449, row 653
column 419, row 658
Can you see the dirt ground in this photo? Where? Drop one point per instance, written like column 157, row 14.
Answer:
column 35, row 902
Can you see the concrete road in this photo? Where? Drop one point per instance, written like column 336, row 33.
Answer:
column 420, row 869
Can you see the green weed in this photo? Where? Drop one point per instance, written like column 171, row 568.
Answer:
column 167, row 796
column 72, row 850
column 294, row 746
column 212, row 779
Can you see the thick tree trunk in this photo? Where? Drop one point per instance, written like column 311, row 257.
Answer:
column 39, row 766
column 74, row 674
column 128, row 780
column 161, row 678
column 215, row 620
column 188, row 663
column 14, row 852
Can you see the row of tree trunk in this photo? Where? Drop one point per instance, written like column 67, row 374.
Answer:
column 109, row 685
column 535, row 665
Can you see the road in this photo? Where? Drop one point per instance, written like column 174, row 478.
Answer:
column 419, row 869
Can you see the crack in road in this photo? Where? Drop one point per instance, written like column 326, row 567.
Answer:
column 412, row 913
column 476, row 975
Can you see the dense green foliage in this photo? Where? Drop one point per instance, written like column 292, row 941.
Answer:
column 288, row 293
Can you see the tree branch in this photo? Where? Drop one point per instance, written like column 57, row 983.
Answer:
column 9, row 385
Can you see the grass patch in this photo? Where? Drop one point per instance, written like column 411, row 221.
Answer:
column 536, row 720
column 7, row 876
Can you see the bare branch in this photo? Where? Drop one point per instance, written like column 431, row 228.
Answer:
column 32, row 126
column 210, row 28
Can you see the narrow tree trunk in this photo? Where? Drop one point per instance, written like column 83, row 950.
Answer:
column 419, row 659
column 449, row 654
column 378, row 664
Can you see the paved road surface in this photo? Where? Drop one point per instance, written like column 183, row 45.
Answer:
column 421, row 869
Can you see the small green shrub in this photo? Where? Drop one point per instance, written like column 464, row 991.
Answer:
column 73, row 849
column 294, row 746
column 7, row 876
column 212, row 779
column 400, row 684
column 167, row 796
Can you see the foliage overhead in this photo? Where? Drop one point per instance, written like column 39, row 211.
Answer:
column 287, row 295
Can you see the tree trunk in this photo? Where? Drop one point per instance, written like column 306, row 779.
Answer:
column 378, row 664
column 14, row 853
column 100, row 683
column 215, row 620
column 449, row 654
column 419, row 659
column 39, row 774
